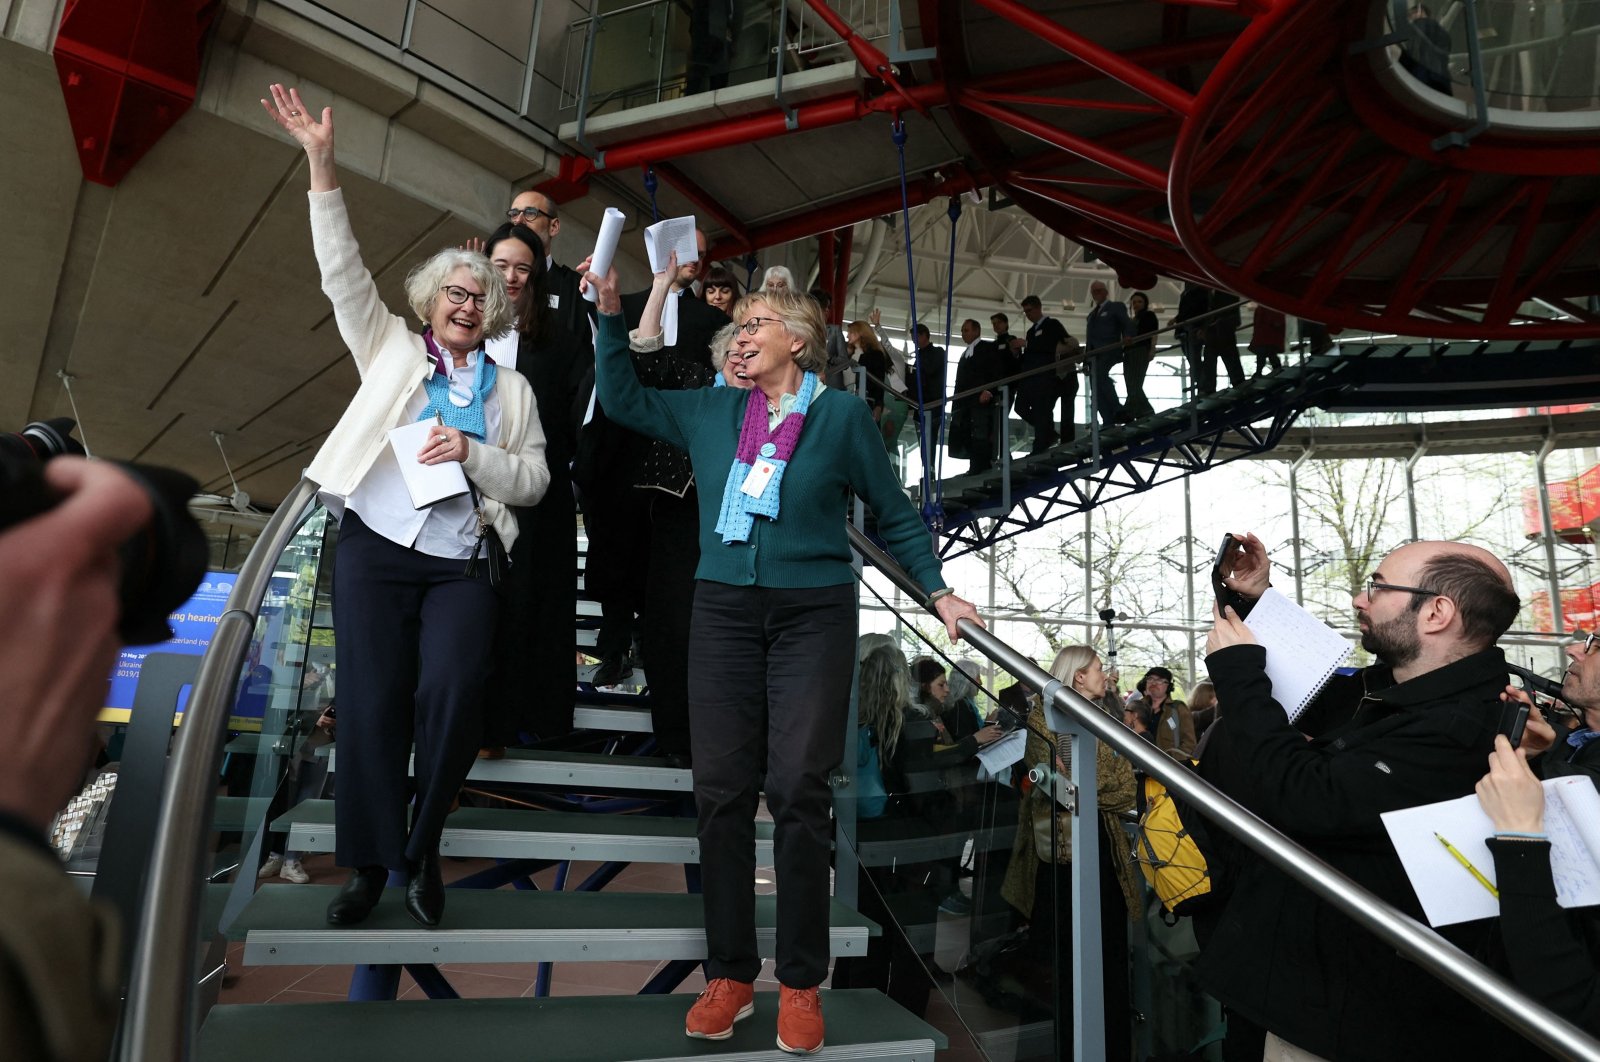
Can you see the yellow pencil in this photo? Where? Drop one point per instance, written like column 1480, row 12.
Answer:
column 1474, row 871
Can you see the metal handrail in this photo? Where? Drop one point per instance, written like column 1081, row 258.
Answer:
column 160, row 1003
column 1509, row 1004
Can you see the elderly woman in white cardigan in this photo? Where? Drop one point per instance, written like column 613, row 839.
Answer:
column 414, row 611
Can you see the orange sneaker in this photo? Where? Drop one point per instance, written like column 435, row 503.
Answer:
column 799, row 1020
column 721, row 1004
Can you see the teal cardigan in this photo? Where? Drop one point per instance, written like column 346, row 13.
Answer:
column 840, row 450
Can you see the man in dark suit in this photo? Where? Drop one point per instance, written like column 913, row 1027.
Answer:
column 540, row 213
column 929, row 374
column 1037, row 395
column 652, row 488
column 1107, row 326
column 974, row 415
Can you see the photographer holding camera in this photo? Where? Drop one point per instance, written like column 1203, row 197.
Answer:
column 59, row 575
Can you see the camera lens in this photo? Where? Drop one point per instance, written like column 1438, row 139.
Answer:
column 164, row 560
column 42, row 440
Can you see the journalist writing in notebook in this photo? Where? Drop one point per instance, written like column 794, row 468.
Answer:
column 1413, row 728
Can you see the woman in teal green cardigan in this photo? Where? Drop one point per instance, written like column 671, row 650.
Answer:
column 774, row 624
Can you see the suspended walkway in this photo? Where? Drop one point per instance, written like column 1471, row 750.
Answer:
column 1024, row 493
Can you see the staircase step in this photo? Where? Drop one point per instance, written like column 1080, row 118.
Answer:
column 511, row 833
column 619, row 718
column 862, row 1024
column 574, row 771
column 285, row 925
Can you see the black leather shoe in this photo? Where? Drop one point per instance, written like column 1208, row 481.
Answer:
column 425, row 891
column 358, row 897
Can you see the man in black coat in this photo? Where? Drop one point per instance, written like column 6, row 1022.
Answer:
column 541, row 214
column 1414, row 729
column 926, row 385
column 974, row 416
column 650, row 518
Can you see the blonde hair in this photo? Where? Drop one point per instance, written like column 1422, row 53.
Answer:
column 425, row 284
column 801, row 318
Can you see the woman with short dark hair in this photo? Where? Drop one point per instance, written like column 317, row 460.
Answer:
column 530, row 691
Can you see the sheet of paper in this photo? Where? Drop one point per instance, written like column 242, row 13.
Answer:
column 427, row 484
column 996, row 759
column 605, row 245
column 1448, row 891
column 669, row 319
column 668, row 235
column 1302, row 651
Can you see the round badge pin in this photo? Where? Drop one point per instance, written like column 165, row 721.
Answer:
column 769, row 450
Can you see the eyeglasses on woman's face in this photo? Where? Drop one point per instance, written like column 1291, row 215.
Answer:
column 459, row 296
column 752, row 326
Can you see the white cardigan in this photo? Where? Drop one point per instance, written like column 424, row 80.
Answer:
column 394, row 364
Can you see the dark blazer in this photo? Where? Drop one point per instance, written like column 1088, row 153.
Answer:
column 572, row 309
column 1106, row 325
column 982, row 366
column 931, row 367
column 1279, row 955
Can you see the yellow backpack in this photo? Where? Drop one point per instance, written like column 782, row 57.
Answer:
column 1168, row 855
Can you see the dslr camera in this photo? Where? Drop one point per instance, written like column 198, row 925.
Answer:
column 162, row 561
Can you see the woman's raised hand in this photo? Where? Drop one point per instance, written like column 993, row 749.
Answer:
column 608, row 299
column 289, row 111
column 664, row 278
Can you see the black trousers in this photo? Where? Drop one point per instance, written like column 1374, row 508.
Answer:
column 1036, row 400
column 1052, row 930
column 414, row 639
column 768, row 669
column 980, row 428
column 1223, row 344
column 665, row 612
column 616, row 518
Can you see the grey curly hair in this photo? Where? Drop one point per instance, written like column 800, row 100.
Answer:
column 425, row 284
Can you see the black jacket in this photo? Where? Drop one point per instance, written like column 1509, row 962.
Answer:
column 1551, row 952
column 1284, row 958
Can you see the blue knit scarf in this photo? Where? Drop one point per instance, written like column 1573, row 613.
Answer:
column 756, row 442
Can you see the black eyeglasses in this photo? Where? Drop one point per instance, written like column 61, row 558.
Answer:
column 1590, row 639
column 528, row 213
column 460, row 295
column 752, row 326
column 1373, row 586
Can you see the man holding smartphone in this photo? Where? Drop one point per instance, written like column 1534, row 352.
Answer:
column 1412, row 729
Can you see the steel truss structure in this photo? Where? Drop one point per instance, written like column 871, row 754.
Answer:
column 1191, row 438
column 1268, row 147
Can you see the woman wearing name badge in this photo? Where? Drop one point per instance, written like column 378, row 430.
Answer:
column 414, row 609
column 531, row 688
column 773, row 629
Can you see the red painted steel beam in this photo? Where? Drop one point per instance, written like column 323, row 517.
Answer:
column 1092, row 150
column 1105, row 212
column 1112, row 64
column 724, row 132
column 883, row 200
column 841, row 274
column 866, row 54
column 1076, row 103
column 703, row 204
column 1076, row 72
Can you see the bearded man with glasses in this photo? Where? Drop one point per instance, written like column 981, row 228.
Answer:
column 1415, row 727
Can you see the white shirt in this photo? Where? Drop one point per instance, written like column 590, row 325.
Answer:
column 448, row 529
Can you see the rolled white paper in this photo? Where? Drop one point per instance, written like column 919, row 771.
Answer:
column 605, row 245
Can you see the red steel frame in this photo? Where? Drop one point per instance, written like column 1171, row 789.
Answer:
column 1289, row 149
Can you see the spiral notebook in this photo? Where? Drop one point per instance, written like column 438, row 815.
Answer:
column 1302, row 651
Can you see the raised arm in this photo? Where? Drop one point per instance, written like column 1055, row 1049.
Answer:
column 660, row 285
column 360, row 314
